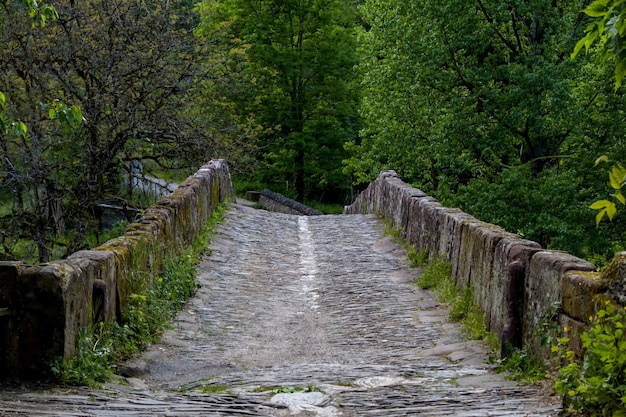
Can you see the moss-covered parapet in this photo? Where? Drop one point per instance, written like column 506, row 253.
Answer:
column 510, row 276
column 44, row 307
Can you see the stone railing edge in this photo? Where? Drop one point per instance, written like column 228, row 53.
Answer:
column 45, row 306
column 272, row 201
column 516, row 283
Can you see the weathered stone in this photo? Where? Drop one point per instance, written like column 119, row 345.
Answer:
column 428, row 225
column 415, row 232
column 52, row 309
column 510, row 249
column 480, row 253
column 573, row 329
column 48, row 305
column 99, row 265
column 253, row 196
column 449, row 220
column 294, row 304
column 583, row 293
column 272, row 201
column 543, row 288
column 615, row 275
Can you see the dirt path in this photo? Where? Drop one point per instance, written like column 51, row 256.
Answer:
column 306, row 316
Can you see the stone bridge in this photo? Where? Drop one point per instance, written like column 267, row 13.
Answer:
column 297, row 315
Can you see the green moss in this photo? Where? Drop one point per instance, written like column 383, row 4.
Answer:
column 148, row 302
column 616, row 269
column 214, row 389
column 280, row 389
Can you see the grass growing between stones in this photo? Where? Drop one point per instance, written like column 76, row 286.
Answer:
column 416, row 258
column 280, row 389
column 438, row 276
column 522, row 367
column 148, row 313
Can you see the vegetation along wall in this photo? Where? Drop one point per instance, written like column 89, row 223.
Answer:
column 515, row 282
column 43, row 308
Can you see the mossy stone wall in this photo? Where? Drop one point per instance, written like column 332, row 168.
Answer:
column 481, row 255
column 43, row 307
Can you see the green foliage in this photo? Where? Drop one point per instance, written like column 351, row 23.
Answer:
column 617, row 180
column 435, row 275
column 597, row 386
column 75, row 155
column 522, row 367
column 148, row 312
column 92, row 363
column 280, row 389
column 40, row 13
column 479, row 104
column 416, row 258
column 607, row 32
column 326, row 208
column 214, row 389
column 551, row 208
column 463, row 308
column 293, row 62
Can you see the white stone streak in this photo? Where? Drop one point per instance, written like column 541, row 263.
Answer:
column 308, row 263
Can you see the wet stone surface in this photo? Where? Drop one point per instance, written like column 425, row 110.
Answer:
column 304, row 316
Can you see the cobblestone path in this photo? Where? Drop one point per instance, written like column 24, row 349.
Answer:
column 305, row 316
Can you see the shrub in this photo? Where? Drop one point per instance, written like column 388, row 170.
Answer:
column 597, row 386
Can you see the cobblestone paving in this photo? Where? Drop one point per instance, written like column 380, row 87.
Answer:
column 305, row 316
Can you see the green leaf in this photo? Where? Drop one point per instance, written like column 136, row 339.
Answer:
column 598, row 8
column 77, row 116
column 20, row 129
column 599, row 217
column 617, row 176
column 605, row 207
column 2, row 100
column 620, row 72
column 600, row 204
column 620, row 197
column 579, row 46
column 601, row 159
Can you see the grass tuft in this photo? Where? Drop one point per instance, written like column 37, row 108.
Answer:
column 148, row 313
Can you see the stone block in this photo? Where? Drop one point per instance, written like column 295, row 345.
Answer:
column 414, row 227
column 449, row 219
column 543, row 289
column 574, row 329
column 407, row 196
column 99, row 265
column 429, row 225
column 9, row 273
column 481, row 280
column 510, row 248
column 615, row 275
column 54, row 301
column 583, row 294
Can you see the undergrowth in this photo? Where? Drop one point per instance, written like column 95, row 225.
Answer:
column 416, row 258
column 103, row 345
column 522, row 367
column 595, row 385
column 463, row 309
column 437, row 275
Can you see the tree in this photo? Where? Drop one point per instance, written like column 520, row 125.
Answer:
column 130, row 67
column 297, row 75
column 471, row 99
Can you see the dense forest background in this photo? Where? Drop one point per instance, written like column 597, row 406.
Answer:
column 477, row 102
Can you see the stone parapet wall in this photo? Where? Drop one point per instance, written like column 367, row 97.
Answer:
column 514, row 281
column 43, row 308
column 272, row 201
